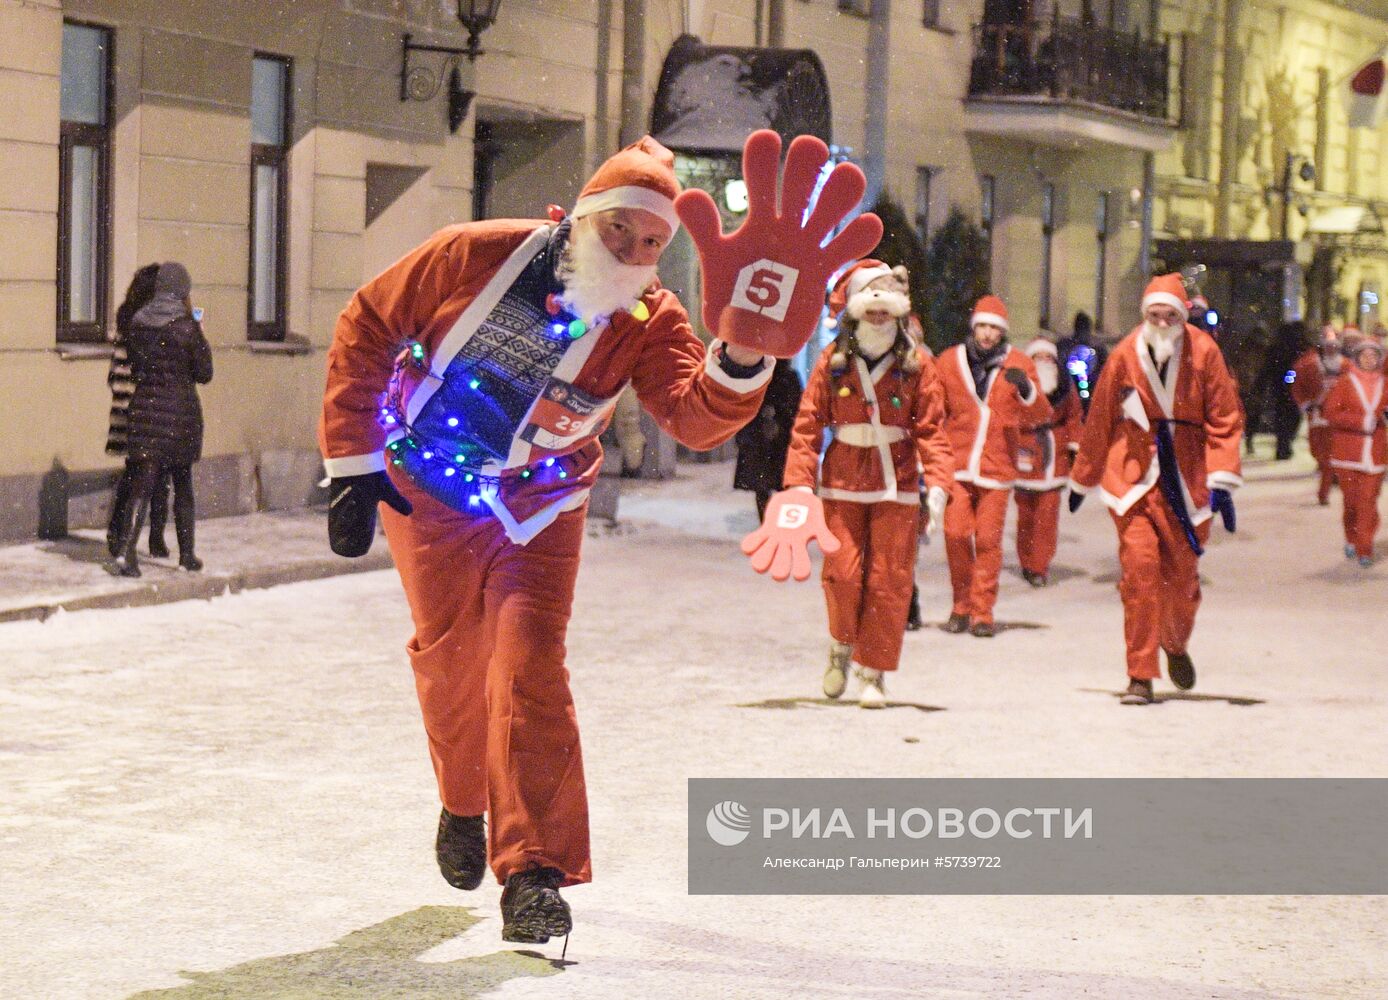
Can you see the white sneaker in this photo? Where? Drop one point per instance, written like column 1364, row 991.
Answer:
column 836, row 674
column 873, row 692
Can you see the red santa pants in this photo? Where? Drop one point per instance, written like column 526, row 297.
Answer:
column 867, row 582
column 1319, row 440
column 1160, row 582
column 488, row 655
column 973, row 544
column 1360, row 492
column 1038, row 523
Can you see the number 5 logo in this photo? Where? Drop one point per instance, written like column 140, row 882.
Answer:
column 792, row 516
column 765, row 287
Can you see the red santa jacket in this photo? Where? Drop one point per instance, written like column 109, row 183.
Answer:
column 438, row 295
column 985, row 433
column 1118, row 447
column 1046, row 449
column 1310, row 384
column 1354, row 409
column 886, row 431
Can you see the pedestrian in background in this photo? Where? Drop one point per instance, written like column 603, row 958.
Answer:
column 169, row 358
column 141, row 290
column 1272, row 391
column 1354, row 408
column 1313, row 377
column 762, row 444
column 1082, row 355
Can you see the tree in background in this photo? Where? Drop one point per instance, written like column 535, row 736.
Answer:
column 956, row 276
column 901, row 246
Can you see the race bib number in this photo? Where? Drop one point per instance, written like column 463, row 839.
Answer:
column 792, row 516
column 765, row 287
column 562, row 415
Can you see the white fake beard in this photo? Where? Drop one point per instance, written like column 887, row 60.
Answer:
column 597, row 284
column 1049, row 376
column 1331, row 362
column 876, row 339
column 896, row 303
column 1162, row 340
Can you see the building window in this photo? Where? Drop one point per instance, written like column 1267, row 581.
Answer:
column 987, row 186
column 863, row 8
column 84, row 168
column 269, row 196
column 1047, row 235
column 930, row 16
column 1101, row 228
column 923, row 178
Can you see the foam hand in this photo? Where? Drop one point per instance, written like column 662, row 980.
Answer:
column 793, row 518
column 763, row 284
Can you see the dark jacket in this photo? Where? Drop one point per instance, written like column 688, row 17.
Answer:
column 164, row 420
column 762, row 444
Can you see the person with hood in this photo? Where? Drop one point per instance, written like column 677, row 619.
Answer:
column 1082, row 355
column 480, row 435
column 762, row 444
column 141, row 290
column 991, row 389
column 1313, row 376
column 1043, row 465
column 1354, row 408
column 1161, row 443
column 877, row 395
column 1272, row 389
column 169, row 358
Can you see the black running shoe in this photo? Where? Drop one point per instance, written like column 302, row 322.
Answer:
column 532, row 911
column 956, row 624
column 461, row 847
column 1181, row 670
column 1139, row 693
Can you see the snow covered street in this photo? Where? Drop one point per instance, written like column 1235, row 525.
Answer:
column 233, row 798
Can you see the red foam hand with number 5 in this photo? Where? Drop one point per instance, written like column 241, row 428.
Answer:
column 782, row 543
column 763, row 284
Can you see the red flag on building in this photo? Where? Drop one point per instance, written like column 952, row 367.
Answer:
column 1366, row 99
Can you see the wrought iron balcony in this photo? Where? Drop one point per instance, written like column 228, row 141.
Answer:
column 1071, row 60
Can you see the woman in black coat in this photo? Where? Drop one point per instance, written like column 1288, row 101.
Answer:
column 762, row 444
column 169, row 358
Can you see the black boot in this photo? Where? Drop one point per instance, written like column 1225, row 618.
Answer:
column 461, row 848
column 532, row 911
column 128, row 562
column 1181, row 669
column 957, row 623
column 1035, row 579
column 913, row 616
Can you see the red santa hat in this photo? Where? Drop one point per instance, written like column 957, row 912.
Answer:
column 989, row 309
column 1167, row 290
column 853, row 281
column 1042, row 346
column 640, row 176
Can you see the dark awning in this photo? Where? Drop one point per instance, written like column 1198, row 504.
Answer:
column 710, row 97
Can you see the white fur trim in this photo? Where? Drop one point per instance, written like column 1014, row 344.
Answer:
column 864, row 276
column 355, row 465
column 630, row 196
column 987, row 317
column 715, row 371
column 896, row 304
column 1221, row 480
column 1042, row 347
column 1166, row 299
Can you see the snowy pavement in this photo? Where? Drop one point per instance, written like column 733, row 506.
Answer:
column 232, row 798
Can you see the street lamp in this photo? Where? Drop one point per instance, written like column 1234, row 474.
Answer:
column 421, row 83
column 476, row 16
column 1307, row 173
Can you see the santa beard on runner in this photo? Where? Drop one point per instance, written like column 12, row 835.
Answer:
column 597, row 284
column 876, row 339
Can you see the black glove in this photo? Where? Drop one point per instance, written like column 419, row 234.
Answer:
column 1019, row 381
column 1222, row 503
column 352, row 511
column 1075, row 500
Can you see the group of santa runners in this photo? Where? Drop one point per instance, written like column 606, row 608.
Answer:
column 985, row 421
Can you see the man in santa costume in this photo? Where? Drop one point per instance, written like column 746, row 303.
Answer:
column 1354, row 410
column 467, row 387
column 1161, row 442
column 876, row 393
column 990, row 390
column 1044, row 453
column 1313, row 376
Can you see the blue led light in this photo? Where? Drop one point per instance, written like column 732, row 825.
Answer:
column 448, row 471
column 474, row 501
column 474, row 383
column 1289, row 378
column 428, row 455
column 452, row 421
column 548, row 462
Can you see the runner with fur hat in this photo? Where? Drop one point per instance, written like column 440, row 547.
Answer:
column 1313, row 376
column 991, row 390
column 1044, row 453
column 1166, row 415
column 877, row 395
column 1354, row 409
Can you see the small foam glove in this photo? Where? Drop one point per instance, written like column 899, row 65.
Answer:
column 1019, row 381
column 1222, row 503
column 935, row 500
column 793, row 518
column 763, row 284
column 1075, row 499
column 352, row 510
